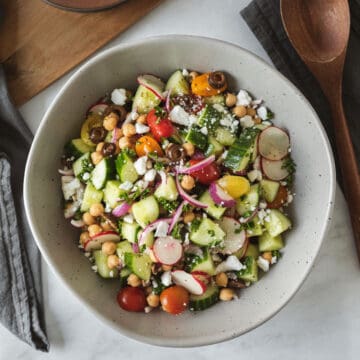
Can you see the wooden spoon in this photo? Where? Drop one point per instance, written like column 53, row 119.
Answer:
column 319, row 31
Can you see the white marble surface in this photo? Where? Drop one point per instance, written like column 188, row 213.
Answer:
column 321, row 322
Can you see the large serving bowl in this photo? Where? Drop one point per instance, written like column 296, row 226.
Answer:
column 314, row 187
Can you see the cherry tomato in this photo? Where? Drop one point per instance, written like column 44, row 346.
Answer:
column 160, row 128
column 174, row 299
column 280, row 199
column 206, row 175
column 146, row 144
column 131, row 299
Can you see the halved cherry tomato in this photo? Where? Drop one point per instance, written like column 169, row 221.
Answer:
column 280, row 199
column 206, row 175
column 146, row 144
column 160, row 128
column 174, row 299
column 132, row 299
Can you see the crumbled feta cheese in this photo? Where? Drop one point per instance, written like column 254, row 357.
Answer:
column 254, row 175
column 226, row 121
column 243, row 98
column 87, row 254
column 224, row 154
column 290, row 198
column 166, row 278
column 219, row 107
column 141, row 128
column 179, row 116
column 86, row 176
column 140, row 185
column 128, row 218
column 140, row 165
column 232, row 263
column 94, row 268
column 155, row 284
column 262, row 112
column 126, row 185
column 267, row 218
column 261, row 214
column 111, row 273
column 150, row 175
column 192, row 119
column 161, row 229
column 256, row 102
column 69, row 185
column 107, row 208
column 246, row 121
column 148, row 309
column 165, row 143
column 134, row 115
column 274, row 260
column 185, row 72
column 118, row 96
column 262, row 204
column 204, row 130
column 263, row 264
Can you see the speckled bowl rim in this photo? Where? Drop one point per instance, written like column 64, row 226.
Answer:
column 155, row 340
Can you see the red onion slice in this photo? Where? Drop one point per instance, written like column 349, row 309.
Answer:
column 199, row 166
column 98, row 108
column 135, row 247
column 220, row 196
column 121, row 209
column 152, row 83
column 176, row 216
column 187, row 197
column 151, row 227
column 116, row 135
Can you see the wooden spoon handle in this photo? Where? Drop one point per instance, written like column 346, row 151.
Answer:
column 348, row 166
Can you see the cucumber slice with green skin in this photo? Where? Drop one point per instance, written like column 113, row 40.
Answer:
column 124, row 274
column 206, row 300
column 112, row 192
column 123, row 247
column 144, row 100
column 82, row 167
column 247, row 204
column 215, row 99
column 214, row 147
column 277, row 224
column 224, row 136
column 129, row 231
column 269, row 243
column 178, row 84
column 208, row 233
column 210, row 118
column 139, row 264
column 196, row 137
column 253, row 251
column 241, row 150
column 77, row 148
column 167, row 190
column 125, row 168
column 102, row 172
column 269, row 189
column 254, row 227
column 197, row 263
column 91, row 196
column 145, row 211
column 102, row 268
column 250, row 273
column 216, row 211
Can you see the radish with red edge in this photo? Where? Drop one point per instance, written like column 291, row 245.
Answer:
column 167, row 250
column 96, row 241
column 235, row 237
column 152, row 83
column 188, row 281
column 98, row 109
column 220, row 196
column 201, row 276
column 151, row 227
column 274, row 170
column 273, row 143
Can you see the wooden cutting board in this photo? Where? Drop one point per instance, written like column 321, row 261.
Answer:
column 40, row 43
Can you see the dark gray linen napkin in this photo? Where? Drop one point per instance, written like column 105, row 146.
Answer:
column 263, row 18
column 20, row 272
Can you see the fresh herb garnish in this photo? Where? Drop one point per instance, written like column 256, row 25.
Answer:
column 176, row 232
column 168, row 205
column 195, row 224
column 159, row 112
column 211, row 232
column 158, row 166
column 290, row 166
column 270, row 115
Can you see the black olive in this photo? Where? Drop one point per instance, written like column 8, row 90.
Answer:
column 238, row 284
column 97, row 134
column 108, row 149
column 175, row 152
column 119, row 110
column 217, row 79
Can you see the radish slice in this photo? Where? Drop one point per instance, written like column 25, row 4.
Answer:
column 77, row 223
column 274, row 170
column 188, row 281
column 96, row 241
column 273, row 143
column 99, row 108
column 152, row 83
column 187, row 197
column 220, row 196
column 167, row 101
column 167, row 250
column 151, row 227
column 176, row 216
column 234, row 239
column 199, row 166
column 121, row 209
column 201, row 276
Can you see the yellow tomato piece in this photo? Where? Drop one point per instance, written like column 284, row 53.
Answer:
column 93, row 120
column 200, row 86
column 146, row 144
column 235, row 186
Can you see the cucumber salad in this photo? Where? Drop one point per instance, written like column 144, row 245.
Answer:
column 180, row 190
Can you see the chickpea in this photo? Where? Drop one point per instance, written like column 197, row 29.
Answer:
column 128, row 130
column 96, row 157
column 96, row 209
column 106, row 226
column 250, row 111
column 94, row 229
column 113, row 261
column 257, row 120
column 153, row 300
column 189, row 149
column 148, row 290
column 108, row 248
column 133, row 280
column 221, row 279
column 193, row 75
column 189, row 217
column 125, row 143
column 110, row 121
column 84, row 237
column 166, row 267
column 267, row 256
column 230, row 100
column 239, row 111
column 226, row 294
column 141, row 119
column 100, row 146
column 187, row 182
column 88, row 219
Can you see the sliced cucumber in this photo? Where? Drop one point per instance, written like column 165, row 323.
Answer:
column 196, row 137
column 210, row 118
column 249, row 202
column 253, row 251
column 149, row 239
column 103, row 171
column 91, row 196
column 93, row 120
column 250, row 273
column 215, row 99
column 208, row 233
column 145, row 100
column 145, row 211
column 177, row 84
column 216, row 211
column 167, row 190
column 269, row 243
column 125, row 168
column 224, row 136
column 102, row 268
column 123, row 247
column 139, row 264
column 214, row 147
column 82, row 167
column 269, row 189
column 112, row 192
column 254, row 227
column 277, row 224
column 204, row 301
column 129, row 231
column 124, row 274
column 204, row 263
column 77, row 148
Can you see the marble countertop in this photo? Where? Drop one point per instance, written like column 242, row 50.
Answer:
column 322, row 321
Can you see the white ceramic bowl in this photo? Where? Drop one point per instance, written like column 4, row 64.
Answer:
column 315, row 182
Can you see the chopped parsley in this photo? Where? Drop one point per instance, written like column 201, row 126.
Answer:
column 290, row 166
column 211, row 232
column 195, row 224
column 168, row 205
column 270, row 115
